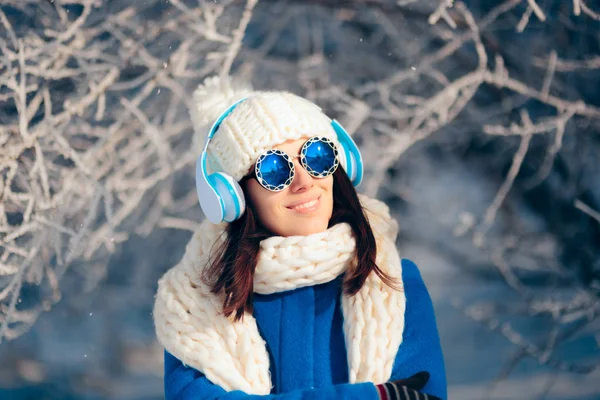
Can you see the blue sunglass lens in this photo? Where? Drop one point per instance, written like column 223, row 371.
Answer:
column 319, row 157
column 274, row 170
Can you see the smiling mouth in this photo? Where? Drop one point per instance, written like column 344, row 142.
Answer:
column 307, row 207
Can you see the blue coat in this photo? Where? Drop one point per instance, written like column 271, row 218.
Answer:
column 305, row 341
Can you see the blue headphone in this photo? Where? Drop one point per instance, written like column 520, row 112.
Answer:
column 221, row 197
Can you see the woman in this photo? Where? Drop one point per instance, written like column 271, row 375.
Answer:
column 292, row 287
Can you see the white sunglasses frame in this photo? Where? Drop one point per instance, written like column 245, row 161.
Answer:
column 289, row 159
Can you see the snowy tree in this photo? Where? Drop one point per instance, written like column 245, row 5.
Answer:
column 97, row 148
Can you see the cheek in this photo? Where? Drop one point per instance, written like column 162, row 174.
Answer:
column 264, row 202
column 329, row 205
column 328, row 188
column 267, row 212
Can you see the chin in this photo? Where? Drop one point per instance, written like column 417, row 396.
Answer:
column 311, row 230
column 303, row 227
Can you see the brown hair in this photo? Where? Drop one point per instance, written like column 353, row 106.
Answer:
column 231, row 267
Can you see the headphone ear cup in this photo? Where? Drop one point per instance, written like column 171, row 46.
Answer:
column 348, row 162
column 349, row 154
column 342, row 158
column 231, row 193
column 349, row 165
column 210, row 201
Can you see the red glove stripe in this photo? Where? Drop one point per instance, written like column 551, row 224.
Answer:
column 383, row 393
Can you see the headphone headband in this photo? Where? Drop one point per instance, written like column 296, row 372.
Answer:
column 215, row 126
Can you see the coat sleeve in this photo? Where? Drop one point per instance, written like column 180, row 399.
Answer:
column 186, row 383
column 420, row 349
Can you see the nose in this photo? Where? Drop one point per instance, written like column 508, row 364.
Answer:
column 302, row 180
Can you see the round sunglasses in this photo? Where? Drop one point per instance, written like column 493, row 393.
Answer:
column 274, row 169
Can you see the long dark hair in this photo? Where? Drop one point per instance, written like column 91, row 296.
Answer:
column 231, row 267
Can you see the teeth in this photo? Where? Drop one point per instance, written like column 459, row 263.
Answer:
column 305, row 205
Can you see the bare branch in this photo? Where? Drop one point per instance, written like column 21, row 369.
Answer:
column 490, row 214
column 587, row 209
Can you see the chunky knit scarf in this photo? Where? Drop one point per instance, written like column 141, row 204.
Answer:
column 233, row 355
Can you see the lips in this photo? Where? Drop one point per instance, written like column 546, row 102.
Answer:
column 305, row 205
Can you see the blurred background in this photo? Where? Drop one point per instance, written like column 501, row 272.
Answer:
column 479, row 122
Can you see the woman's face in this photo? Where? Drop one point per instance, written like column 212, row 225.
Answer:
column 303, row 208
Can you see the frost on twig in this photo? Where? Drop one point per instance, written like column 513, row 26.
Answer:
column 94, row 120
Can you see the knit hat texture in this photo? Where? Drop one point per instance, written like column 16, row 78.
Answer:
column 265, row 119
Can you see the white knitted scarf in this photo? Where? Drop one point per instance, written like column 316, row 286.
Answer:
column 233, row 355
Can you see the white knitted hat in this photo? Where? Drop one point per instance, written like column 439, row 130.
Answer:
column 262, row 121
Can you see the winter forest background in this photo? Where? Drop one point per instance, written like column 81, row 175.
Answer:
column 479, row 122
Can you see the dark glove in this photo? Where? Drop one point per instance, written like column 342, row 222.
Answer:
column 406, row 389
